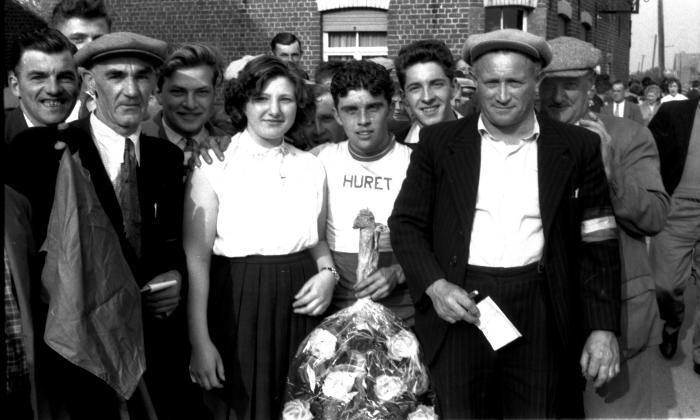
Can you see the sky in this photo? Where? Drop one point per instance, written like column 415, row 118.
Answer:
column 681, row 30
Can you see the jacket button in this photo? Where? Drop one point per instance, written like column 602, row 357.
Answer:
column 453, row 260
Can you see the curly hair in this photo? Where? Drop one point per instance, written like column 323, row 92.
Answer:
column 358, row 75
column 252, row 81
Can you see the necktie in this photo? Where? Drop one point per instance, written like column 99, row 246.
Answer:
column 617, row 109
column 190, row 144
column 127, row 190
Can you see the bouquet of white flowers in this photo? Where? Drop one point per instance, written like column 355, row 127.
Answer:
column 360, row 363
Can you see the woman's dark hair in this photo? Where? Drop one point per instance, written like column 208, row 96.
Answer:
column 251, row 82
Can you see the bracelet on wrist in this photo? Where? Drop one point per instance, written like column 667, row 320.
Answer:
column 333, row 271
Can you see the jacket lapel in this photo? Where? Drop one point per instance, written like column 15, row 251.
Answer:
column 91, row 160
column 462, row 166
column 554, row 166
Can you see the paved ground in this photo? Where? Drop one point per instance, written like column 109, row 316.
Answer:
column 676, row 385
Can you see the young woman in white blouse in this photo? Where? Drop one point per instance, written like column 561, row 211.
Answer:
column 260, row 272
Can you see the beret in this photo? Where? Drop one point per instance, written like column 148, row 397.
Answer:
column 236, row 66
column 121, row 44
column 507, row 39
column 572, row 57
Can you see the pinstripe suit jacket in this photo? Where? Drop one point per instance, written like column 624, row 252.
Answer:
column 433, row 215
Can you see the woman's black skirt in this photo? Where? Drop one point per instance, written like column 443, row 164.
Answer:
column 253, row 326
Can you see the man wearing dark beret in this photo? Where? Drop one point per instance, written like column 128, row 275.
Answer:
column 138, row 180
column 640, row 204
column 515, row 206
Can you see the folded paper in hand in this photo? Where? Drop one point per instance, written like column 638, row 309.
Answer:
column 496, row 327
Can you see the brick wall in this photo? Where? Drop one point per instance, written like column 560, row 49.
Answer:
column 449, row 20
column 240, row 27
column 236, row 27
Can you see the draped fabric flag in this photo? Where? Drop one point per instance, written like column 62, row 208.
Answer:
column 94, row 318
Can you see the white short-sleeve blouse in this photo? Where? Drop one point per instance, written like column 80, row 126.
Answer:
column 269, row 198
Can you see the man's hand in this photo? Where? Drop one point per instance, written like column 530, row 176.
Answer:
column 315, row 295
column 217, row 144
column 452, row 303
column 594, row 124
column 163, row 302
column 60, row 144
column 380, row 283
column 600, row 359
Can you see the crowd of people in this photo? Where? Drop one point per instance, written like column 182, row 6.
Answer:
column 165, row 255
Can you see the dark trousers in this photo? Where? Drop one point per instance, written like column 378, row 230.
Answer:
column 522, row 379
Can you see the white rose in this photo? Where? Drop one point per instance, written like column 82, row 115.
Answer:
column 297, row 410
column 321, row 344
column 402, row 345
column 388, row 387
column 338, row 385
column 423, row 412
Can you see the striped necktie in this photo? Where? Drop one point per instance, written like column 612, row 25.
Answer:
column 127, row 190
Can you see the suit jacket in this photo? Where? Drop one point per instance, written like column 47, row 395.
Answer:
column 32, row 166
column 671, row 127
column 641, row 206
column 14, row 124
column 432, row 221
column 631, row 111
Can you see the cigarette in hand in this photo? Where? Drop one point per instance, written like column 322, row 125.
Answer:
column 155, row 287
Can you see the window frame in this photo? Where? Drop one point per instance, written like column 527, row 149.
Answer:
column 526, row 13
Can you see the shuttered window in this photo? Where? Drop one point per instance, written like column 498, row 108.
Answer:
column 354, row 33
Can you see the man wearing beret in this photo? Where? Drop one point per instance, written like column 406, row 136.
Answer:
column 640, row 204
column 515, row 206
column 138, row 180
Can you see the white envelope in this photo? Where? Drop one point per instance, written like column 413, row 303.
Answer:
column 496, row 327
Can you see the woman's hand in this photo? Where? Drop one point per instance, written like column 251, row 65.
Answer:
column 206, row 367
column 315, row 295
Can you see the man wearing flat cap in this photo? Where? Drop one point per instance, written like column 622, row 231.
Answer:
column 640, row 204
column 138, row 180
column 515, row 206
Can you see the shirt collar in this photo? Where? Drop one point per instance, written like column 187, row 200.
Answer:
column 105, row 135
column 481, row 127
column 414, row 131
column 29, row 122
column 176, row 138
column 248, row 144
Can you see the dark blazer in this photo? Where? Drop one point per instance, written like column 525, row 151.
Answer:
column 671, row 127
column 631, row 111
column 31, row 169
column 14, row 124
column 433, row 215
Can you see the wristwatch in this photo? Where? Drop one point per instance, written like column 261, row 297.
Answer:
column 332, row 269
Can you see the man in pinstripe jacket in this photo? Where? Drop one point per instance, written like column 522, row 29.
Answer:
column 516, row 206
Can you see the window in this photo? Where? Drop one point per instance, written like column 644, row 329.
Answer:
column 587, row 33
column 563, row 26
column 354, row 33
column 505, row 17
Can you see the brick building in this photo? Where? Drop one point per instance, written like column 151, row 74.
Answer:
column 337, row 29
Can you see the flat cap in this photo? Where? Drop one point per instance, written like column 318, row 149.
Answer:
column 572, row 57
column 507, row 39
column 122, row 44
